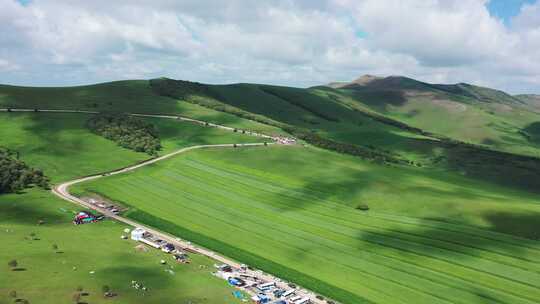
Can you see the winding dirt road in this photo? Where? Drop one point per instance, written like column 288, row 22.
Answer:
column 62, row 191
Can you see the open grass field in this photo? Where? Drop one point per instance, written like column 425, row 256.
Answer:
column 429, row 236
column 53, row 278
column 132, row 96
column 64, row 148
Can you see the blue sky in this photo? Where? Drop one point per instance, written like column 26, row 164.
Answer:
column 506, row 9
column 285, row 42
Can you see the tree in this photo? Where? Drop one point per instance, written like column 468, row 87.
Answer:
column 13, row 264
column 55, row 247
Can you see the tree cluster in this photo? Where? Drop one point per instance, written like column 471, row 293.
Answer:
column 368, row 153
column 127, row 131
column 15, row 175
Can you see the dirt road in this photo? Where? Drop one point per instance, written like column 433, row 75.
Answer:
column 62, row 191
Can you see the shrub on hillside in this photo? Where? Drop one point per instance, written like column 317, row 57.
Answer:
column 127, row 131
column 15, row 175
column 362, row 207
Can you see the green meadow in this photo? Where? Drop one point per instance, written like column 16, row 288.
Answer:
column 132, row 96
column 428, row 236
column 64, row 148
column 61, row 145
column 90, row 256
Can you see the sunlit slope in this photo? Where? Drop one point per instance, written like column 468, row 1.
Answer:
column 464, row 112
column 334, row 116
column 63, row 147
column 131, row 96
column 427, row 238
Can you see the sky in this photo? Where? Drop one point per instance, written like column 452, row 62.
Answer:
column 296, row 43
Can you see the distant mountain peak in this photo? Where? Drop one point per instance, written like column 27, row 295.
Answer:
column 365, row 79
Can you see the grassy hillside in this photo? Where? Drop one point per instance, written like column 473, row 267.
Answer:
column 429, row 237
column 90, row 256
column 532, row 100
column 133, row 96
column 464, row 112
column 329, row 118
column 63, row 147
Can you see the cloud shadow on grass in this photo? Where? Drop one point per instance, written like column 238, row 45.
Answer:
column 522, row 225
column 20, row 213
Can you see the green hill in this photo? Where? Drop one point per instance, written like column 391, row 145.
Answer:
column 448, row 220
column 394, row 120
column 336, row 120
column 464, row 112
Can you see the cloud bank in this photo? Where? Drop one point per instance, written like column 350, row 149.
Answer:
column 298, row 43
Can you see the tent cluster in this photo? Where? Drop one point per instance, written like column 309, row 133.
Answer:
column 84, row 217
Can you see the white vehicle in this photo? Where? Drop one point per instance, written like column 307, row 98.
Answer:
column 266, row 286
column 302, row 301
column 287, row 293
column 294, row 299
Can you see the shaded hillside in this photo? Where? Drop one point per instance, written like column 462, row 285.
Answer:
column 461, row 111
column 334, row 120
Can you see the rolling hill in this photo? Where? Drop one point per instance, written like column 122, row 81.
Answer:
column 449, row 219
column 464, row 112
column 350, row 121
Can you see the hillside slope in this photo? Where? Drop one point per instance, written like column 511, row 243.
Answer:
column 461, row 111
column 334, row 119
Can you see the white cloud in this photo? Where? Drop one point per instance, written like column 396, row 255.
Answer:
column 283, row 41
column 6, row 66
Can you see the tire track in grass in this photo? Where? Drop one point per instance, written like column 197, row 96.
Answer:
column 513, row 301
column 483, row 233
column 450, row 243
column 190, row 174
column 434, row 227
column 195, row 211
column 209, row 214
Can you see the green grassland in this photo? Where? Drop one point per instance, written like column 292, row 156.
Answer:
column 340, row 118
column 64, row 148
column 464, row 112
column 50, row 277
column 132, row 96
column 429, row 236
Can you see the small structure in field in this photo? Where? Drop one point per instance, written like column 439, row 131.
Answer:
column 84, row 217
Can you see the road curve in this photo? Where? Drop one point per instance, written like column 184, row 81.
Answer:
column 168, row 116
column 62, row 191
